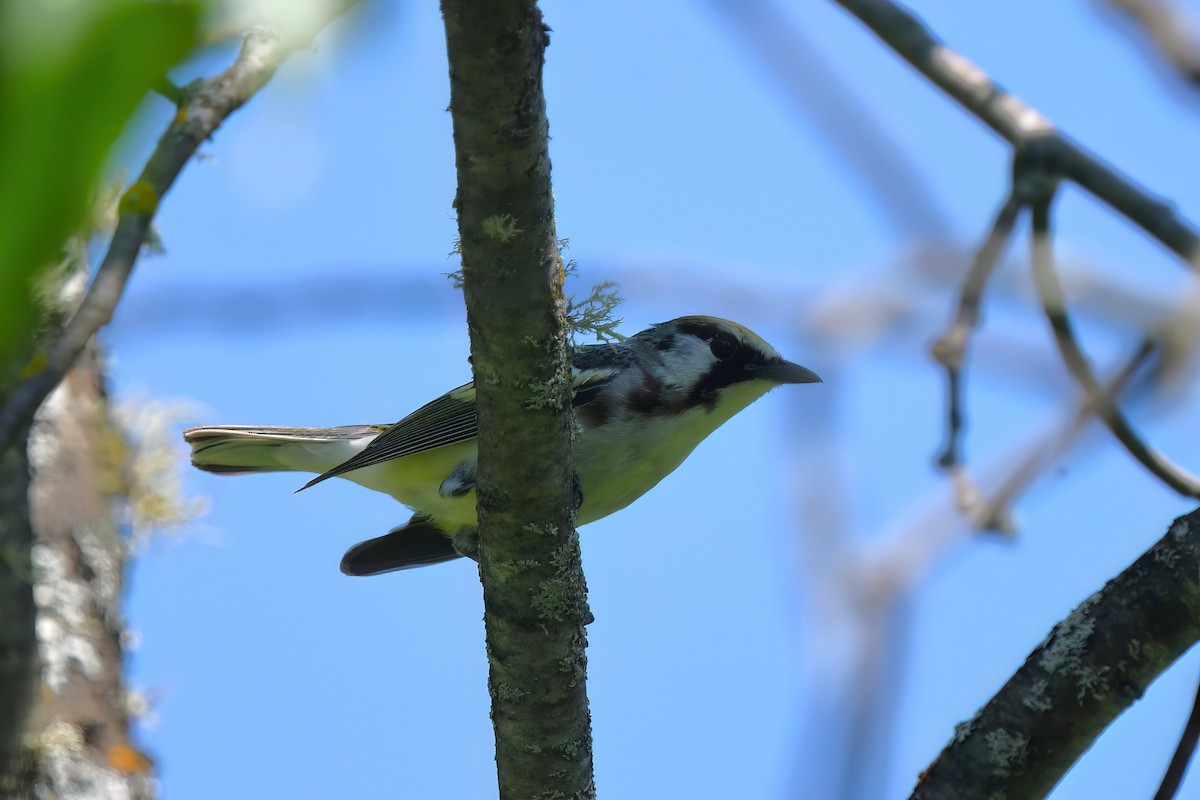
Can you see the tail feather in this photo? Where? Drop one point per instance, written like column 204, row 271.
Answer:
column 246, row 449
column 417, row 543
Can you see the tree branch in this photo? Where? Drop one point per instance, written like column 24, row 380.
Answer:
column 1018, row 123
column 533, row 586
column 1091, row 667
column 206, row 106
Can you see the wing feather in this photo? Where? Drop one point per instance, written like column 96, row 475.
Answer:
column 451, row 419
column 448, row 420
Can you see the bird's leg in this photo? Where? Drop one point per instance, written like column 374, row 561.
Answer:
column 578, row 490
column 466, row 543
column 460, row 481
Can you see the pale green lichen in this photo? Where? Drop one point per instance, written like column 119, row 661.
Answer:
column 575, row 664
column 510, row 694
column 62, row 737
column 556, row 598
column 486, row 375
column 552, row 599
column 593, row 315
column 553, row 393
column 501, row 228
column 506, row 570
column 570, row 749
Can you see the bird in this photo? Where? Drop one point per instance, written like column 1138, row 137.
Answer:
column 641, row 406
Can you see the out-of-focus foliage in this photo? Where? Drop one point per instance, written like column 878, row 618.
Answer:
column 72, row 72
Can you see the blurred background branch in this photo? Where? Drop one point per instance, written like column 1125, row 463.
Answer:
column 66, row 93
column 1168, row 28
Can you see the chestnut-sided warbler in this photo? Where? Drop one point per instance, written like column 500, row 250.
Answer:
column 641, row 406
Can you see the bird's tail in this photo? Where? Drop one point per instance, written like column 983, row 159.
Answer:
column 243, row 449
column 417, row 543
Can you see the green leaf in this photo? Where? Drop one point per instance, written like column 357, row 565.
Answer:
column 71, row 76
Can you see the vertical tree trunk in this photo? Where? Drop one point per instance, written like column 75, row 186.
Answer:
column 77, row 738
column 533, row 585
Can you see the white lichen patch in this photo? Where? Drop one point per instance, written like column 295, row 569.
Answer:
column 1167, row 556
column 1180, row 530
column 76, row 778
column 1036, row 699
column 43, row 449
column 1006, row 752
column 63, row 629
column 964, row 729
column 103, row 553
column 1065, row 650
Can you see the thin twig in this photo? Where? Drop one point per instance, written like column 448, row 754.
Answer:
column 1183, row 754
column 209, row 103
column 950, row 348
column 1054, row 306
column 1019, row 123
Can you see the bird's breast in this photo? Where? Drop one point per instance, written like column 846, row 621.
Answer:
column 623, row 459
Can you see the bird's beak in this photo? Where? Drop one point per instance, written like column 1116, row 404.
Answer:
column 786, row 372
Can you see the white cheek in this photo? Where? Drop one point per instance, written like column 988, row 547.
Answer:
column 687, row 363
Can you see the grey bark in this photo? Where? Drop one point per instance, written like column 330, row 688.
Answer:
column 533, row 585
column 1091, row 667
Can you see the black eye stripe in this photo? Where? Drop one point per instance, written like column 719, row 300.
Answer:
column 722, row 348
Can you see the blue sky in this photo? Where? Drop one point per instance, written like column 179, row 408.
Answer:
column 303, row 285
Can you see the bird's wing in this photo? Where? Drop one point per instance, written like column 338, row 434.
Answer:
column 450, row 419
column 593, row 366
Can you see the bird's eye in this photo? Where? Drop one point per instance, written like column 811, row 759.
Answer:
column 722, row 348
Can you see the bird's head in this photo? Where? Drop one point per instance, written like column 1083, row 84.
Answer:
column 706, row 356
